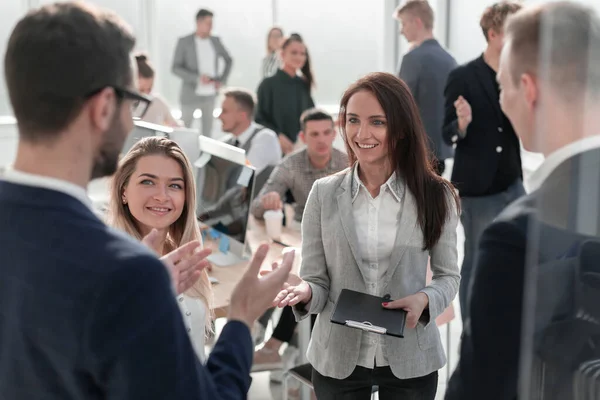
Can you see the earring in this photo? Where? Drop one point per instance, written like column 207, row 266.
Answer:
column 124, row 201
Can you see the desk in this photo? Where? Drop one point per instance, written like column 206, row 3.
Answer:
column 229, row 276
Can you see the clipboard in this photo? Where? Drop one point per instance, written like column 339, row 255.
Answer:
column 364, row 311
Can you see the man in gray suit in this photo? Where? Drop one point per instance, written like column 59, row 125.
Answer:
column 196, row 62
column 425, row 70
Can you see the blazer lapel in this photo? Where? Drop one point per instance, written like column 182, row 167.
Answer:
column 344, row 199
column 407, row 223
column 488, row 86
column 193, row 51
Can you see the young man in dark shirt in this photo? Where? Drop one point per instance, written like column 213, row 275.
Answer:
column 487, row 160
column 425, row 70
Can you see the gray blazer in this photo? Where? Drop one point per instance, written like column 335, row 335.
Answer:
column 185, row 65
column 330, row 263
column 425, row 70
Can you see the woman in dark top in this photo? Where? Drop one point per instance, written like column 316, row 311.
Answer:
column 283, row 97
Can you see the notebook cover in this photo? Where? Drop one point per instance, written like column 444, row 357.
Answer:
column 362, row 307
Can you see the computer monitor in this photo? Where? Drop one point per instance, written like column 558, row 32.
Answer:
column 225, row 188
column 142, row 129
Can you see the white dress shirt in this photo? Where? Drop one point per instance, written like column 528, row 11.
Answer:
column 207, row 62
column 559, row 156
column 193, row 311
column 264, row 148
column 376, row 226
column 22, row 178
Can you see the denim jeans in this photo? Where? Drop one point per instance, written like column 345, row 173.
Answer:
column 477, row 214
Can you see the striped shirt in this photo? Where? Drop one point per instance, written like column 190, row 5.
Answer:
column 270, row 65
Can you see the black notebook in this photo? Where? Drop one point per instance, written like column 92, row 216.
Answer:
column 364, row 311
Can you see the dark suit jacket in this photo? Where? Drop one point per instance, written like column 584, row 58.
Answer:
column 185, row 65
column 88, row 313
column 544, row 223
column 425, row 70
column 476, row 157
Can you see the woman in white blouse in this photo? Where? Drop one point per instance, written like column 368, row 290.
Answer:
column 372, row 228
column 153, row 189
column 158, row 112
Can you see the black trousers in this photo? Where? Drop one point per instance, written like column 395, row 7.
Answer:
column 359, row 384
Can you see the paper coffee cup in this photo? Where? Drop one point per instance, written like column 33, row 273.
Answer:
column 274, row 222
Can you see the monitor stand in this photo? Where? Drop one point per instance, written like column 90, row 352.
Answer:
column 224, row 260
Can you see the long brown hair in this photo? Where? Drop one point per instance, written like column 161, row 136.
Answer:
column 182, row 231
column 408, row 150
column 306, row 69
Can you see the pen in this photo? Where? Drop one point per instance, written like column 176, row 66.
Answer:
column 280, row 243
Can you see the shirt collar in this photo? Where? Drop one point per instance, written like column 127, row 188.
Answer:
column 309, row 166
column 23, row 178
column 556, row 158
column 396, row 189
column 245, row 136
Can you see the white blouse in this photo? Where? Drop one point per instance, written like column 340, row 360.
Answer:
column 376, row 225
column 194, row 318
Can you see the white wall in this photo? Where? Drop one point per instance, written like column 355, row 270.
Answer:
column 346, row 38
column 466, row 39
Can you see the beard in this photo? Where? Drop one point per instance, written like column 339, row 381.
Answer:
column 107, row 158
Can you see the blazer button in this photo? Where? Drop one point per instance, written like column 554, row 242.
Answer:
column 499, row 149
column 499, row 129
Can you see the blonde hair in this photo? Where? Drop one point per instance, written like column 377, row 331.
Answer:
column 182, row 231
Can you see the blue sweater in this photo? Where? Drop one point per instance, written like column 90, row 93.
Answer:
column 88, row 313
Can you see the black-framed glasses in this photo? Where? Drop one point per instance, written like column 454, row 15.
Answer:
column 139, row 101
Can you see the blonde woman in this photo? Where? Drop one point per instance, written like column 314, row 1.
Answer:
column 153, row 189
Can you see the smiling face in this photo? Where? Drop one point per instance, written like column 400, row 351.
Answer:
column 294, row 55
column 155, row 193
column 366, row 129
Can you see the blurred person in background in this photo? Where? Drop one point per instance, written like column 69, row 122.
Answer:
column 283, row 97
column 196, row 61
column 158, row 112
column 272, row 61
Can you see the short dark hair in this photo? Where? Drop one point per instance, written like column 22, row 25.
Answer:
column 59, row 54
column 243, row 98
column 495, row 15
column 203, row 13
column 313, row 114
column 560, row 42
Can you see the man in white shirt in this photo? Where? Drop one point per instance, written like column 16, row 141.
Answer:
column 529, row 263
column 197, row 62
column 261, row 143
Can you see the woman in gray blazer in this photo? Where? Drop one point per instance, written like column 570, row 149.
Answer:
column 372, row 228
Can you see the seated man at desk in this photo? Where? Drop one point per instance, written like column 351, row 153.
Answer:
column 297, row 173
column 261, row 144
column 299, row 170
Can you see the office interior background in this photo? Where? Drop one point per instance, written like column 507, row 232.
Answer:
column 346, row 39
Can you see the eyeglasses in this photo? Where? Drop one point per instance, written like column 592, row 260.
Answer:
column 139, row 101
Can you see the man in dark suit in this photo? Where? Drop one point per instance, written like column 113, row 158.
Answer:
column 555, row 108
column 85, row 311
column 425, row 70
column 487, row 160
column 197, row 62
